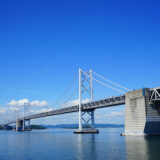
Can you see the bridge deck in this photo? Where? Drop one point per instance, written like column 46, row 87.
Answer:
column 109, row 102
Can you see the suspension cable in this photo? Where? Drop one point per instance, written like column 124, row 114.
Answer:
column 112, row 82
column 108, row 85
column 66, row 90
column 75, row 91
column 105, row 84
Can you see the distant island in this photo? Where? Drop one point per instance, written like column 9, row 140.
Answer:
column 9, row 128
column 1, row 128
column 69, row 126
column 33, row 126
column 74, row 126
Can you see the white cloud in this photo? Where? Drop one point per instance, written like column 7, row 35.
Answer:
column 41, row 110
column 114, row 114
column 2, row 110
column 18, row 103
column 22, row 102
column 38, row 103
column 75, row 102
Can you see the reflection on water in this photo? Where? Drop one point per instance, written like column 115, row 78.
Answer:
column 62, row 144
column 88, row 146
column 101, row 146
column 143, row 148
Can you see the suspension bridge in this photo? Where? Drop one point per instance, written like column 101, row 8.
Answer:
column 142, row 107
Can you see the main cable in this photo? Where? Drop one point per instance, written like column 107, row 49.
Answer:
column 65, row 91
column 105, row 84
column 108, row 86
column 111, row 82
column 70, row 97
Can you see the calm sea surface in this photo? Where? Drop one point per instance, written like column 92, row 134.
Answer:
column 62, row 144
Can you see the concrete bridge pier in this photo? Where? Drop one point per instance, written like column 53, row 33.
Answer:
column 6, row 127
column 19, row 125
column 142, row 112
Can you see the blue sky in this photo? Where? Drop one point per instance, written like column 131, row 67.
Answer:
column 43, row 44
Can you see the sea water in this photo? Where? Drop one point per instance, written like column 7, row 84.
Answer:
column 62, row 144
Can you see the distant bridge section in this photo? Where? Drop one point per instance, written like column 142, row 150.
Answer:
column 108, row 102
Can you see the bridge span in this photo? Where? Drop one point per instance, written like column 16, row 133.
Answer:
column 142, row 108
column 108, row 102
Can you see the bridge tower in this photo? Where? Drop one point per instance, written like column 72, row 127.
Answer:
column 85, row 86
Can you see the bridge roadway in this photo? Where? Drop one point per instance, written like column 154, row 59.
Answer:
column 108, row 102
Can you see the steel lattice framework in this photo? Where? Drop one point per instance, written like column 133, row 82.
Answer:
column 155, row 94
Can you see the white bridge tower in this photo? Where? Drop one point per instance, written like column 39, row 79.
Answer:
column 86, row 86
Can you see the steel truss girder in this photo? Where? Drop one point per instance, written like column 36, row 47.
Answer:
column 108, row 102
column 155, row 94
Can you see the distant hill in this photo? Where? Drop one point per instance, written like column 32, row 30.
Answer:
column 31, row 127
column 73, row 126
column 8, row 128
column 37, row 127
column 1, row 128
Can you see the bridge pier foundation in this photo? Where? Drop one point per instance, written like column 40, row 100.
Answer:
column 88, row 125
column 142, row 115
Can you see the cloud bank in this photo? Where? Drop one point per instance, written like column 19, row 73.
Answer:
column 74, row 102
column 22, row 102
